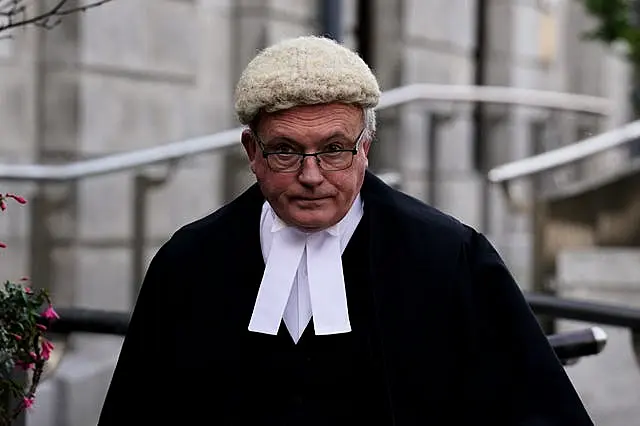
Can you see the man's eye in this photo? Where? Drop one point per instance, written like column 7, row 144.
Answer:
column 334, row 147
column 283, row 148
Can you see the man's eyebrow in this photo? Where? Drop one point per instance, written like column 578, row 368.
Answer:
column 282, row 138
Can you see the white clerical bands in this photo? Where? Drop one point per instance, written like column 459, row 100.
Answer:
column 303, row 277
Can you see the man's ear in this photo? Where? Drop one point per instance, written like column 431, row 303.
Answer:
column 249, row 144
column 366, row 145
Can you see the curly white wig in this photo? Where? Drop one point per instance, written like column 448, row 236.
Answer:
column 305, row 70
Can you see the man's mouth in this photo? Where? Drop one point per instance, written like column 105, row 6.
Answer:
column 309, row 199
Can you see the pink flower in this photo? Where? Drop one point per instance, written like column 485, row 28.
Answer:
column 50, row 313
column 25, row 279
column 47, row 348
column 28, row 290
column 17, row 336
column 3, row 245
column 41, row 327
column 27, row 401
column 3, row 205
column 19, row 199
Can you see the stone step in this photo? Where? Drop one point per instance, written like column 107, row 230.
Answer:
column 603, row 268
column 608, row 383
column 74, row 394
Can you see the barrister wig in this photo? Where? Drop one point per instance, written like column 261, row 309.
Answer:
column 305, row 70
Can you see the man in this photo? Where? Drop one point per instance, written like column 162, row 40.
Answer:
column 321, row 296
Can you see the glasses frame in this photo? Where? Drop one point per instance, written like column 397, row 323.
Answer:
column 303, row 156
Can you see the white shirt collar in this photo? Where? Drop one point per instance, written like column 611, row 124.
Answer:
column 303, row 276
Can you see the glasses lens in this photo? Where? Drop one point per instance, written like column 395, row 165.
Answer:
column 336, row 160
column 330, row 161
column 284, row 162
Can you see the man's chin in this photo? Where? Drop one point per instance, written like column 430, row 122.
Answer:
column 308, row 221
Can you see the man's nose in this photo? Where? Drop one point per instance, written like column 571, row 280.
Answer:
column 310, row 174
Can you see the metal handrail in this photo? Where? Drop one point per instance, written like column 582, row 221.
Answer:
column 566, row 155
column 567, row 344
column 114, row 322
column 585, row 311
column 415, row 92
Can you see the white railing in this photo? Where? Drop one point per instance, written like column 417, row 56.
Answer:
column 566, row 155
column 226, row 139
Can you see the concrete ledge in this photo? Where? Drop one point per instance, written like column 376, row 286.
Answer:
column 44, row 411
column 608, row 383
column 603, row 268
column 75, row 393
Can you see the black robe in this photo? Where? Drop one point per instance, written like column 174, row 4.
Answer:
column 456, row 342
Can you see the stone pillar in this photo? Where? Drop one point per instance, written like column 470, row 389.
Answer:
column 54, row 225
column 387, row 64
column 437, row 155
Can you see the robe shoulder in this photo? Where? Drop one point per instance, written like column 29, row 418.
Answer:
column 426, row 229
column 214, row 229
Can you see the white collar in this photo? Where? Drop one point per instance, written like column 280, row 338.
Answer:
column 303, row 276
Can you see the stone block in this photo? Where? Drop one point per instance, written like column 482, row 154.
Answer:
column 413, row 145
column 609, row 383
column 215, row 72
column 280, row 30
column 44, row 411
column 189, row 195
column 103, row 279
column 527, row 22
column 14, row 113
column 105, row 206
column 15, row 220
column 222, row 5
column 14, row 260
column 144, row 36
column 454, row 145
column 424, row 65
column 248, row 4
column 498, row 69
column 82, row 381
column 388, row 43
column 448, row 23
column 460, row 196
column 528, row 75
column 303, row 10
column 94, row 346
column 499, row 215
column 60, row 113
column 61, row 279
column 500, row 28
column 602, row 269
column 350, row 21
column 120, row 114
column 7, row 47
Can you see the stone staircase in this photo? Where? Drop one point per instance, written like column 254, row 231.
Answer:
column 74, row 393
column 610, row 382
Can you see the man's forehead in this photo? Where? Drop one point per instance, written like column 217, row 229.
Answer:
column 319, row 120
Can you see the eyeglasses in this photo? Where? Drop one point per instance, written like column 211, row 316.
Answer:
column 330, row 160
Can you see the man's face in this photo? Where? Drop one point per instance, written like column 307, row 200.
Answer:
column 310, row 198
